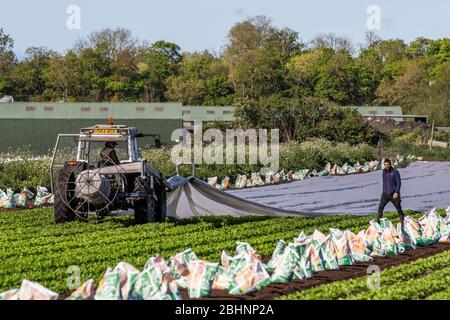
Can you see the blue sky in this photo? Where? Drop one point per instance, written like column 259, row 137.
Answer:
column 203, row 24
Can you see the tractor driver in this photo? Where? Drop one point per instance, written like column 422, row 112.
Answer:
column 108, row 156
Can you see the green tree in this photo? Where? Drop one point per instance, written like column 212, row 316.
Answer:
column 60, row 77
column 418, row 47
column 186, row 91
column 256, row 54
column 299, row 119
column 106, row 62
column 202, row 80
column 109, row 42
column 433, row 99
column 7, row 61
column 334, row 75
column 28, row 75
column 92, row 71
column 406, row 89
column 124, row 83
column 156, row 63
column 333, row 42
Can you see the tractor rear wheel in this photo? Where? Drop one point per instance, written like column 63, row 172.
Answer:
column 63, row 213
column 152, row 208
column 144, row 210
column 161, row 204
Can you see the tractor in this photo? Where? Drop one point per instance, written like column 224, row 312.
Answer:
column 87, row 187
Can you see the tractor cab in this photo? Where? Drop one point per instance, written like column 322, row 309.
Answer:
column 92, row 139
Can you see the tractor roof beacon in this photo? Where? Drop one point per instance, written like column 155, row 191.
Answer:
column 84, row 187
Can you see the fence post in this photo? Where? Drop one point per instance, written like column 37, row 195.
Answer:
column 379, row 148
column 432, row 132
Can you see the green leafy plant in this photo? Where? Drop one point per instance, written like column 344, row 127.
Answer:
column 33, row 247
column 406, row 281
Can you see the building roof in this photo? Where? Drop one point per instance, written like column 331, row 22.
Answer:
column 208, row 113
column 90, row 110
column 373, row 111
column 154, row 110
column 367, row 111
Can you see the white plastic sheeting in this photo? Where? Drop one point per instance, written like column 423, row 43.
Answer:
column 424, row 185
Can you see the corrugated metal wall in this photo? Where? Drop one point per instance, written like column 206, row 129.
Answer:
column 40, row 134
column 87, row 110
column 37, row 124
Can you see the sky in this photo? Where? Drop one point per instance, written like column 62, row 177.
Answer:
column 196, row 25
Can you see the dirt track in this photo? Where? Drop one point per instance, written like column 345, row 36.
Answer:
column 323, row 277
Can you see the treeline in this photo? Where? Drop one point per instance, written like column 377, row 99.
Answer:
column 260, row 62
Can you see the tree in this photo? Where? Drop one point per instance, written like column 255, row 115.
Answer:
column 407, row 88
column 303, row 71
column 369, row 69
column 28, row 75
column 371, row 39
column 256, row 54
column 108, row 42
column 334, row 42
column 186, row 91
column 202, row 79
column 417, row 48
column 439, row 103
column 335, row 76
column 391, row 50
column 169, row 49
column 7, row 55
column 60, row 77
column 156, row 63
column 7, row 61
column 92, row 70
column 299, row 119
column 433, row 99
column 123, row 83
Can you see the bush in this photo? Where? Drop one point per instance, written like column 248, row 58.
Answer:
column 316, row 153
column 312, row 154
column 306, row 118
column 435, row 154
column 24, row 172
column 416, row 137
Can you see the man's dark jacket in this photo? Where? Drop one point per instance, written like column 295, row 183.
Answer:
column 391, row 181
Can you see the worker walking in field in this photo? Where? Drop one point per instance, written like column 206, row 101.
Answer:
column 108, row 156
column 391, row 190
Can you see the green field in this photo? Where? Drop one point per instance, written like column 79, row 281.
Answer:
column 33, row 247
column 426, row 278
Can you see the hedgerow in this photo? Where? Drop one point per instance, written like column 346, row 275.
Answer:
column 314, row 154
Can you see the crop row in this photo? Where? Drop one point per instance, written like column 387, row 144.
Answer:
column 416, row 288
column 33, row 247
column 406, row 281
column 162, row 239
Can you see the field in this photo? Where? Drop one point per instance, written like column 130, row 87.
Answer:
column 33, row 247
column 426, row 278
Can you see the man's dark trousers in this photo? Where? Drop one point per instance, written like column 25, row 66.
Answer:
column 385, row 198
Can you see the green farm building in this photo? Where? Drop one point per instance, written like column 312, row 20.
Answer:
column 37, row 124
